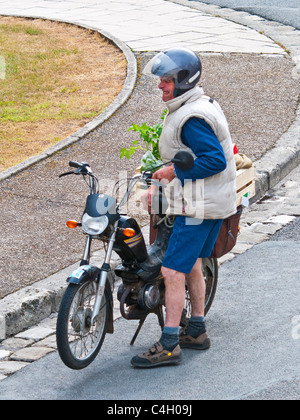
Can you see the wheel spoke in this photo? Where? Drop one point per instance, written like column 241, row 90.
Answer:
column 81, row 340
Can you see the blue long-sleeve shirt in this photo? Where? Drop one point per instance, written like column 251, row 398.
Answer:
column 201, row 139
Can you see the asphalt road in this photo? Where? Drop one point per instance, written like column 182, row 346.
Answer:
column 290, row 233
column 254, row 326
column 287, row 12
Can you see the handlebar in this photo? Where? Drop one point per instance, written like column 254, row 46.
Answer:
column 85, row 169
column 147, row 177
column 74, row 164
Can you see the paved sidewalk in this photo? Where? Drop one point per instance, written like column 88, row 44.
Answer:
column 150, row 25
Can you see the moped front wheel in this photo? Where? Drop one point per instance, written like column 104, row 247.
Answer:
column 78, row 340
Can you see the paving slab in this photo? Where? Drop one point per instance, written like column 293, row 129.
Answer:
column 36, row 333
column 31, row 354
column 4, row 354
column 10, row 367
column 15, row 344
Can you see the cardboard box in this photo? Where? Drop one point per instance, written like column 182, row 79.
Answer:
column 245, row 183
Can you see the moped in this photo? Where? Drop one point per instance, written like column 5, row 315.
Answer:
column 86, row 310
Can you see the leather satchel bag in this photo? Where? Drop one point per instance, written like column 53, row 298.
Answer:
column 228, row 235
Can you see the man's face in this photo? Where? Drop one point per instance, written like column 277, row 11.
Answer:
column 167, row 85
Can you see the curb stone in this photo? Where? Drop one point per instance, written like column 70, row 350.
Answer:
column 2, row 327
column 32, row 304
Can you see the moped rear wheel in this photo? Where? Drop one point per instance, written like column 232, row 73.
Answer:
column 78, row 341
column 210, row 272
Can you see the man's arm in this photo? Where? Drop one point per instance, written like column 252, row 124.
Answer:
column 200, row 138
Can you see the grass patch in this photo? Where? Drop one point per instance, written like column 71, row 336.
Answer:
column 57, row 77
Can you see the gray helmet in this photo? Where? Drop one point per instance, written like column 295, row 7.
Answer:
column 182, row 64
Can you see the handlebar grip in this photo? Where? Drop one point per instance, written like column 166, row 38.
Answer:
column 74, row 164
column 147, row 176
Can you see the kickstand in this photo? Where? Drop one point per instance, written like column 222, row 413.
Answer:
column 160, row 316
column 141, row 323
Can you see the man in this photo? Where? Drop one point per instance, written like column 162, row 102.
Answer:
column 197, row 124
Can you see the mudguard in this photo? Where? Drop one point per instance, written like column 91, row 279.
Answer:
column 84, row 273
column 92, row 273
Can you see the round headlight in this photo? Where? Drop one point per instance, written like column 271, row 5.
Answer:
column 94, row 225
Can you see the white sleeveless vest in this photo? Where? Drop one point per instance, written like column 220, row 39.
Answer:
column 215, row 196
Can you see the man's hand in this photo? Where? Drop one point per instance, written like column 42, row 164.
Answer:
column 147, row 197
column 165, row 175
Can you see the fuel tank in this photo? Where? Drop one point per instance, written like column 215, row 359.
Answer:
column 130, row 249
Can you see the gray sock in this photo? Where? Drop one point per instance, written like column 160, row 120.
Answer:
column 196, row 326
column 170, row 338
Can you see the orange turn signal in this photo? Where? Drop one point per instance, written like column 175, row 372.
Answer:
column 72, row 224
column 129, row 232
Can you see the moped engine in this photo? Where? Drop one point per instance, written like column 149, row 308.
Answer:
column 149, row 296
column 140, row 299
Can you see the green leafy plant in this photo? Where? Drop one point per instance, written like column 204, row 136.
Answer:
column 150, row 136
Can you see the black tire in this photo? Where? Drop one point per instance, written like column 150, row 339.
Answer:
column 211, row 274
column 210, row 271
column 78, row 342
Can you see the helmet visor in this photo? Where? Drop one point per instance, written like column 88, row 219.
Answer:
column 161, row 66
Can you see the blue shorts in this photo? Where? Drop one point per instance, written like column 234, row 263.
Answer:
column 191, row 239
